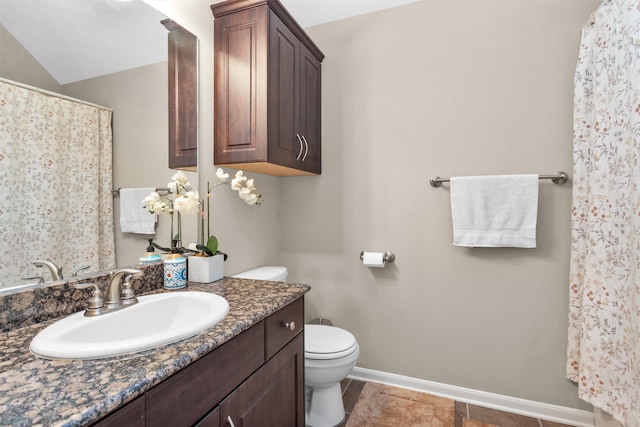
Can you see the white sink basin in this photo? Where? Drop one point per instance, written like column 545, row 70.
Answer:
column 154, row 321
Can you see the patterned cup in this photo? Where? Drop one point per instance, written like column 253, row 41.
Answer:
column 175, row 273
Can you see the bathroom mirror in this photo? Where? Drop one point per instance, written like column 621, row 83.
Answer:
column 119, row 33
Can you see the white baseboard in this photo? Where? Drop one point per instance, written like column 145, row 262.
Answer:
column 602, row 419
column 545, row 411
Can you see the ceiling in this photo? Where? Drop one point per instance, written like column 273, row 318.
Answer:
column 79, row 39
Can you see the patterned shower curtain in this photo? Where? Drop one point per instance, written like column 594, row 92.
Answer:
column 604, row 311
column 55, row 184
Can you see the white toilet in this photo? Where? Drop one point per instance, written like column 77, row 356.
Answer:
column 330, row 355
column 267, row 272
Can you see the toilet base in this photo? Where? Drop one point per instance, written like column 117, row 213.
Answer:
column 324, row 406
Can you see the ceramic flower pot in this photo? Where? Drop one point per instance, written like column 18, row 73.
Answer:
column 206, row 269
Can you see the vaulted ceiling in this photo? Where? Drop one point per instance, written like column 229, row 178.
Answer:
column 79, row 39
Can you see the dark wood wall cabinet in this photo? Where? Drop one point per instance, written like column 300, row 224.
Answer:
column 183, row 97
column 256, row 379
column 266, row 90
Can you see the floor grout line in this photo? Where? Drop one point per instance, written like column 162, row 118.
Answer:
column 476, row 417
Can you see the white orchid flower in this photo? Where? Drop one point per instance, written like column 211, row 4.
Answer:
column 221, row 175
column 251, row 199
column 154, row 203
column 180, row 178
column 238, row 181
column 187, row 203
column 179, row 183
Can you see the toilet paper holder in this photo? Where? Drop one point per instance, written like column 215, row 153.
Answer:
column 387, row 256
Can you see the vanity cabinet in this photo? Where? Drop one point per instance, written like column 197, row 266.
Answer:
column 131, row 415
column 272, row 396
column 256, row 379
column 267, row 90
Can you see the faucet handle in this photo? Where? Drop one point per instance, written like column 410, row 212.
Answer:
column 38, row 279
column 128, row 297
column 79, row 269
column 133, row 273
column 96, row 302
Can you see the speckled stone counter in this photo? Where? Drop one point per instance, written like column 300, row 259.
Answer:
column 36, row 391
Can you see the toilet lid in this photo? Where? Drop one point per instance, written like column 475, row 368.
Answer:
column 322, row 341
column 267, row 272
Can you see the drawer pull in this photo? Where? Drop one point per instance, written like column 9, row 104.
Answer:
column 230, row 421
column 290, row 325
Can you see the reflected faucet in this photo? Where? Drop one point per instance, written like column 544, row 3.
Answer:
column 38, row 279
column 56, row 271
column 79, row 269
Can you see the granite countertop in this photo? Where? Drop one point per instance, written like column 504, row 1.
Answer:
column 36, row 391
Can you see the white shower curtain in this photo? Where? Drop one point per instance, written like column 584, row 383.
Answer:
column 55, row 184
column 604, row 312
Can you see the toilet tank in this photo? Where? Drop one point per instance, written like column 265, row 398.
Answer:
column 267, row 272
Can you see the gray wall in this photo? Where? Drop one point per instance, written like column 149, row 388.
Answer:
column 17, row 64
column 442, row 87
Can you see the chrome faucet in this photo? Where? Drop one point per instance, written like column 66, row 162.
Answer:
column 113, row 300
column 56, row 271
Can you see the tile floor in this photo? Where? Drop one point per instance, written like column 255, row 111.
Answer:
column 351, row 391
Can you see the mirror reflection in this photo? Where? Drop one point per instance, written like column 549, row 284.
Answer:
column 56, row 203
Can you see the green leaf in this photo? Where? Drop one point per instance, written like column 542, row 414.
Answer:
column 212, row 244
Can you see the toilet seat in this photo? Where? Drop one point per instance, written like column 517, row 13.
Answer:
column 322, row 342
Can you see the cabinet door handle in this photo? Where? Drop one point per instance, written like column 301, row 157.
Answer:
column 230, row 421
column 290, row 325
column 301, row 146
column 306, row 151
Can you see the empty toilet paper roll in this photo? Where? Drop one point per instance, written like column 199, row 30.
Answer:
column 373, row 259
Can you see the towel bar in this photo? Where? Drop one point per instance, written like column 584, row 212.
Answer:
column 557, row 178
column 116, row 192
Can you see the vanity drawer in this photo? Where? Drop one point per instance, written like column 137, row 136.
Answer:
column 184, row 398
column 282, row 326
column 130, row 415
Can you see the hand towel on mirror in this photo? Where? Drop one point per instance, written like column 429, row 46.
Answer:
column 134, row 217
column 495, row 210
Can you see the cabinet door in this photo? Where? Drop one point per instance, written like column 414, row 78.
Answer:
column 183, row 97
column 285, row 143
column 212, row 419
column 188, row 395
column 309, row 111
column 273, row 396
column 240, row 87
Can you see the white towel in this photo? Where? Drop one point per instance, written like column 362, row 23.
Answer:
column 134, row 217
column 495, row 211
